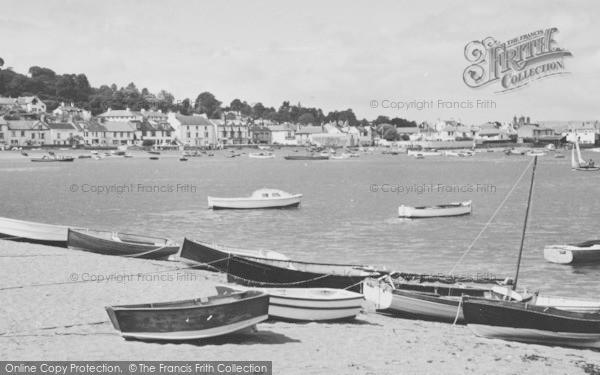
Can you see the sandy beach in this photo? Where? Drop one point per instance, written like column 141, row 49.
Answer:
column 54, row 311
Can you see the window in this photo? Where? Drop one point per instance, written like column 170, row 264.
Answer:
column 205, row 127
column 14, row 134
column 197, row 135
column 189, row 135
column 57, row 135
column 188, row 128
column 42, row 135
column 115, row 135
column 32, row 135
column 205, row 134
column 22, row 133
column 276, row 194
column 1, row 135
column 154, row 134
column 168, row 134
column 265, row 195
column 196, row 127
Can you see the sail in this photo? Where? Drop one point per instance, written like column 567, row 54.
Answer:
column 574, row 163
column 580, row 159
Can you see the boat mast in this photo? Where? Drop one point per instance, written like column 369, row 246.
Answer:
column 525, row 224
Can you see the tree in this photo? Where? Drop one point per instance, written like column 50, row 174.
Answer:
column 258, row 110
column 208, row 104
column 381, row 120
column 388, row 132
column 306, row 119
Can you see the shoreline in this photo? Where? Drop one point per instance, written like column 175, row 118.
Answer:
column 53, row 315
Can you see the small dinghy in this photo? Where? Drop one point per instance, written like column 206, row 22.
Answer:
column 28, row 231
column 585, row 252
column 263, row 198
column 121, row 244
column 444, row 210
column 261, row 155
column 309, row 304
column 191, row 319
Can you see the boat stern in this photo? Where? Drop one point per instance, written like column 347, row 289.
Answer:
column 558, row 254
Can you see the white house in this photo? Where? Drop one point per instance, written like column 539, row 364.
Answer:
column 283, row 134
column 193, row 130
column 304, row 134
column 71, row 110
column 120, row 133
column 120, row 116
column 61, row 133
column 31, row 104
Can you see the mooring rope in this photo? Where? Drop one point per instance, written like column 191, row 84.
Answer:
column 492, row 218
column 458, row 310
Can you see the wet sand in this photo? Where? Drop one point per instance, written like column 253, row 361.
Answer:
column 51, row 312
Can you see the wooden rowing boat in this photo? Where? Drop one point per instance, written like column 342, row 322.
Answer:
column 121, row 244
column 275, row 273
column 531, row 323
column 585, row 252
column 29, row 231
column 309, row 304
column 444, row 210
column 306, row 157
column 191, row 319
column 260, row 199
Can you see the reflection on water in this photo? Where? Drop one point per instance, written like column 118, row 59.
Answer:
column 340, row 219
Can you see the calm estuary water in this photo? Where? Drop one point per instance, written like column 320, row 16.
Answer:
column 341, row 218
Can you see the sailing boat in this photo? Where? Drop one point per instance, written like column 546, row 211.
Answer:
column 528, row 322
column 579, row 164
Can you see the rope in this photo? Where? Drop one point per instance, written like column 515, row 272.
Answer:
column 262, row 283
column 95, row 281
column 6, row 334
column 458, row 311
column 492, row 218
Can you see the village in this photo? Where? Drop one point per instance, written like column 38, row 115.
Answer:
column 30, row 125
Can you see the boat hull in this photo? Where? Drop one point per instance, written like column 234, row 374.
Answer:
column 568, row 254
column 250, row 203
column 310, row 304
column 299, row 157
column 531, row 324
column 273, row 273
column 205, row 319
column 28, row 231
column 454, row 209
column 80, row 240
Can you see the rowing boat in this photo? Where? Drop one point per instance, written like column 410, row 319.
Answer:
column 531, row 323
column 306, row 157
column 191, row 319
column 121, row 244
column 275, row 273
column 444, row 210
column 309, row 304
column 585, row 252
column 29, row 231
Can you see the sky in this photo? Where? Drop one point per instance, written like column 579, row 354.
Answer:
column 333, row 55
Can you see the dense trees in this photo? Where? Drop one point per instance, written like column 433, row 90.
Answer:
column 55, row 88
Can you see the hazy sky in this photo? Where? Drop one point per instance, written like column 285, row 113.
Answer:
column 329, row 54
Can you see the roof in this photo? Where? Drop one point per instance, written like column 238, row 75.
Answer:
column 92, row 126
column 8, row 101
column 119, row 126
column 3, row 121
column 493, row 131
column 61, row 126
column 309, row 130
column 153, row 114
column 27, row 99
column 260, row 129
column 155, row 126
column 407, row 130
column 329, row 128
column 119, row 113
column 282, row 128
column 22, row 124
column 193, row 120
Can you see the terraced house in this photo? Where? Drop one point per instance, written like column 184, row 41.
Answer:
column 231, row 132
column 28, row 133
column 62, row 133
column 193, row 130
column 160, row 132
column 119, row 133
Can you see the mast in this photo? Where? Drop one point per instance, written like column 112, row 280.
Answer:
column 525, row 223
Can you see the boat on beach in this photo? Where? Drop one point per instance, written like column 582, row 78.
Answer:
column 444, row 210
column 309, row 304
column 529, row 323
column 121, row 244
column 191, row 319
column 424, row 152
column 29, row 231
column 262, row 198
column 275, row 273
column 585, row 252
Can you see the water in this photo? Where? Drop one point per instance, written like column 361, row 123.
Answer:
column 340, row 219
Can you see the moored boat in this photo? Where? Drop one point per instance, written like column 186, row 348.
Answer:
column 46, row 159
column 578, row 164
column 262, row 198
column 261, row 155
column 309, row 304
column 451, row 209
column 585, row 252
column 121, row 244
column 28, row 231
column 529, row 323
column 275, row 273
column 306, row 157
column 191, row 319
column 424, row 153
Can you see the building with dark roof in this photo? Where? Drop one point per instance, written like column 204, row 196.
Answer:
column 193, row 130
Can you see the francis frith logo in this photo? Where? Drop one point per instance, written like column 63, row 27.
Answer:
column 515, row 63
